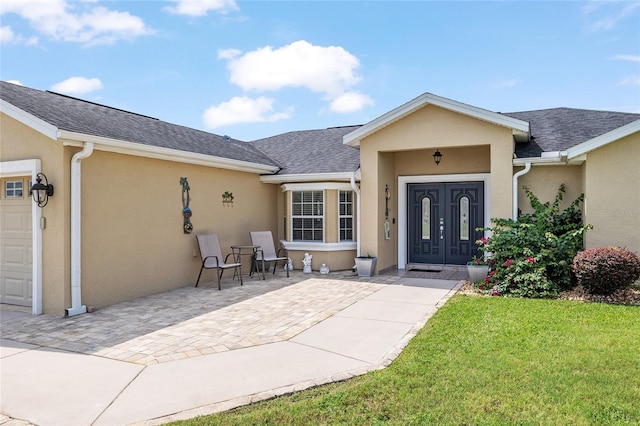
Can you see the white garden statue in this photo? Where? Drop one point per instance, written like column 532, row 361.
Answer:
column 307, row 263
column 324, row 269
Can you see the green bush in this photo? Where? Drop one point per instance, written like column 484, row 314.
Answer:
column 603, row 270
column 532, row 257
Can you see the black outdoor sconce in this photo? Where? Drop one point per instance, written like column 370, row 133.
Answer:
column 41, row 191
column 437, row 156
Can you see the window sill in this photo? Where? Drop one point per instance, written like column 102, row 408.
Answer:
column 311, row 246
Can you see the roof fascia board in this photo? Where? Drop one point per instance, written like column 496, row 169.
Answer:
column 316, row 186
column 140, row 150
column 30, row 120
column 353, row 138
column 539, row 161
column 308, row 177
column 604, row 139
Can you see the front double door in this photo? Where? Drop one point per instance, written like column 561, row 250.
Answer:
column 442, row 221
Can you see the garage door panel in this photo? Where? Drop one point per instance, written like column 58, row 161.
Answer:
column 16, row 252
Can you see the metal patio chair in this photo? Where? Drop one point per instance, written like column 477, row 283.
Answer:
column 211, row 256
column 267, row 252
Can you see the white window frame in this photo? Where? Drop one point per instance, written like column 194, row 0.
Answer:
column 314, row 245
column 13, row 196
column 346, row 216
column 314, row 217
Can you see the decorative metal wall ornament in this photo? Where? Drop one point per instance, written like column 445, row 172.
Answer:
column 227, row 199
column 186, row 211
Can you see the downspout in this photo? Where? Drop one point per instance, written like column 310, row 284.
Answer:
column 527, row 167
column 356, row 189
column 76, row 236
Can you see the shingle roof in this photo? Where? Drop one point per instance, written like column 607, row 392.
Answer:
column 558, row 129
column 312, row 151
column 76, row 115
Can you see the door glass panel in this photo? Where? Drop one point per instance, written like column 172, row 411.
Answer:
column 464, row 218
column 426, row 218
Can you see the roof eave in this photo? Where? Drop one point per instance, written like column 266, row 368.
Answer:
column 30, row 120
column 603, row 139
column 518, row 127
column 168, row 154
column 309, row 177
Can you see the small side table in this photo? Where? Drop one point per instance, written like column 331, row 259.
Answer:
column 245, row 250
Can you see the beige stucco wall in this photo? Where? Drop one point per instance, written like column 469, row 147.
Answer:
column 19, row 142
column 544, row 182
column 405, row 148
column 612, row 197
column 132, row 236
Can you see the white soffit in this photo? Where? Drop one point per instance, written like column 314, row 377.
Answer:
column 604, row 139
column 309, row 177
column 518, row 127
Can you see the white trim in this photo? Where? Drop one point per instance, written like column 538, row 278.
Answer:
column 316, row 186
column 307, row 177
column 150, row 151
column 604, row 139
column 402, row 203
column 29, row 120
column 313, row 246
column 32, row 168
column 517, row 126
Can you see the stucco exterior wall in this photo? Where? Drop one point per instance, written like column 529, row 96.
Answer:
column 544, row 182
column 405, row 148
column 132, row 236
column 612, row 197
column 19, row 142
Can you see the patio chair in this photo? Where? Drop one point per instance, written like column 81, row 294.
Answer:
column 267, row 251
column 211, row 256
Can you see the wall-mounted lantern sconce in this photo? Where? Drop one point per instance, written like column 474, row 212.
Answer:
column 437, row 156
column 387, row 197
column 41, row 191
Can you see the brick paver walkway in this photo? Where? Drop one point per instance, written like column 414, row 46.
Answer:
column 190, row 322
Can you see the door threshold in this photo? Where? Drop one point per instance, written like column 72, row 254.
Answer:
column 430, row 267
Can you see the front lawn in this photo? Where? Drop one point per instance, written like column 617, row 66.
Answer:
column 483, row 360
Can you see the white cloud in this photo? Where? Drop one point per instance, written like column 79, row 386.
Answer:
column 631, row 80
column 7, row 36
column 330, row 71
column 505, row 83
column 350, row 102
column 81, row 22
column 606, row 15
column 77, row 85
column 201, row 7
column 242, row 109
column 631, row 58
column 16, row 82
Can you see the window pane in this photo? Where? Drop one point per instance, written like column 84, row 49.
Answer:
column 426, row 218
column 464, row 218
column 307, row 215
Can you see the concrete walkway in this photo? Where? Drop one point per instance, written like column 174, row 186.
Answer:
column 195, row 351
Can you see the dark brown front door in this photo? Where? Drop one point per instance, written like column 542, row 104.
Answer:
column 442, row 220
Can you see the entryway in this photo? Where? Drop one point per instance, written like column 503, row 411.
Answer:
column 441, row 221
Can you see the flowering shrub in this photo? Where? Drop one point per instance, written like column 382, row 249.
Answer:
column 532, row 257
column 604, row 270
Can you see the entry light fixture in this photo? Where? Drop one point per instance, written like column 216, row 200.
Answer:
column 41, row 191
column 437, row 156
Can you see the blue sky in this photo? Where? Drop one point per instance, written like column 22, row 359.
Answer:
column 256, row 69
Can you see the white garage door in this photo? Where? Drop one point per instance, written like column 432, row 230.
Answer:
column 15, row 243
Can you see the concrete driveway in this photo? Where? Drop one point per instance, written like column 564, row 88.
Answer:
column 195, row 351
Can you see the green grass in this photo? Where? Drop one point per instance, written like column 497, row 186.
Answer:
column 486, row 361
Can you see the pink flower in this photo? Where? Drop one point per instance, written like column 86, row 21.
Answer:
column 508, row 263
column 530, row 259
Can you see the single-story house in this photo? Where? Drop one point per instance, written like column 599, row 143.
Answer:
column 113, row 227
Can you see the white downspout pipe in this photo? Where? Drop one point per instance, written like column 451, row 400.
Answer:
column 76, row 236
column 356, row 189
column 527, row 167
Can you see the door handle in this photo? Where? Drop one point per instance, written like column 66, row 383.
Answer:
column 442, row 228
